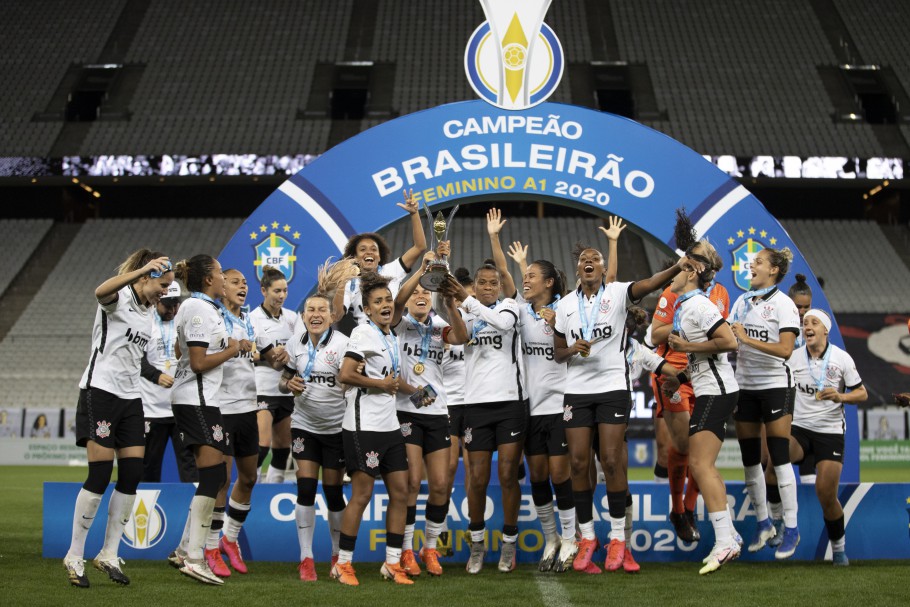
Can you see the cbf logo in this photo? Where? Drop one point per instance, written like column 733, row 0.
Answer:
column 745, row 253
column 147, row 523
column 513, row 59
column 275, row 249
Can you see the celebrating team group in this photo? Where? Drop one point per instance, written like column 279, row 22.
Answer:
column 541, row 370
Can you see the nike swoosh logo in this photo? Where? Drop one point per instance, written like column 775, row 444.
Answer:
column 618, row 415
column 447, row 438
column 91, row 518
column 834, row 453
column 305, row 527
column 692, row 426
column 568, row 314
column 515, row 433
column 775, row 411
column 565, row 444
column 205, row 526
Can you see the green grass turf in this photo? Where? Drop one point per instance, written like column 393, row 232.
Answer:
column 28, row 579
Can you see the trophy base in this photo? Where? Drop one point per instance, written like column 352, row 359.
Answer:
column 433, row 278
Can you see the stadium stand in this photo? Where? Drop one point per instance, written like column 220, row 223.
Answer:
column 18, row 239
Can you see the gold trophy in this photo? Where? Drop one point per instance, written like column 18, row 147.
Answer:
column 438, row 269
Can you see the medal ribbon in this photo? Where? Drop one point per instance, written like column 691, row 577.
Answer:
column 228, row 323
column 551, row 305
column 819, row 381
column 677, row 323
column 425, row 333
column 392, row 348
column 166, row 336
column 311, row 354
column 588, row 322
column 479, row 325
column 747, row 301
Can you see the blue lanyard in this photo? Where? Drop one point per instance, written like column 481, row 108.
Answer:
column 800, row 341
column 588, row 322
column 710, row 288
column 819, row 381
column 239, row 321
column 480, row 325
column 228, row 324
column 747, row 301
column 425, row 333
column 551, row 305
column 311, row 354
column 245, row 311
column 166, row 339
column 355, row 282
column 392, row 348
column 677, row 323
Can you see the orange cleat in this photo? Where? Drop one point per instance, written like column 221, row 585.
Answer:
column 394, row 572
column 409, row 563
column 344, row 573
column 232, row 550
column 628, row 562
column 216, row 563
column 586, row 550
column 616, row 552
column 307, row 569
column 430, row 558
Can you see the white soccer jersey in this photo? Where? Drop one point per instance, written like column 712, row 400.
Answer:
column 271, row 331
column 411, row 337
column 453, row 375
column 545, row 378
column 824, row 416
column 200, row 324
column 320, row 408
column 605, row 369
column 372, row 409
column 395, row 271
column 238, row 383
column 641, row 359
column 161, row 354
column 121, row 332
column 492, row 357
column 772, row 314
column 711, row 374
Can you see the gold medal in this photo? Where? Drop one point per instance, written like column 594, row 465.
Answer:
column 167, row 365
column 419, row 368
column 818, row 395
column 585, row 354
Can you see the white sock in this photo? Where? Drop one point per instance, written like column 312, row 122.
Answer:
column 547, row 520
column 185, row 538
column 786, row 482
column 119, row 510
column 661, row 480
column 345, row 556
column 755, row 486
column 306, row 525
column 567, row 522
column 509, row 539
column 200, row 521
column 477, row 535
column 433, row 531
column 777, row 510
column 211, row 539
column 723, row 528
column 445, row 525
column 627, row 529
column 84, row 515
column 392, row 555
column 808, row 479
column 839, row 545
column 587, row 530
column 408, row 537
column 335, row 528
column 618, row 528
column 274, row 475
column 232, row 526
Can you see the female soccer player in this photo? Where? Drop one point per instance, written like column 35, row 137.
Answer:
column 826, row 380
column 702, row 333
column 311, row 374
column 205, row 343
column 373, row 444
column 237, row 399
column 373, row 255
column 766, row 323
column 590, row 338
column 545, row 444
column 274, row 326
column 109, row 419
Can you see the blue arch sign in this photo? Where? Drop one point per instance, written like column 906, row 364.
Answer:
column 472, row 151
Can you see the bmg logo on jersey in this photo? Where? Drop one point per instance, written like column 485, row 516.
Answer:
column 275, row 249
column 147, row 522
column 514, row 60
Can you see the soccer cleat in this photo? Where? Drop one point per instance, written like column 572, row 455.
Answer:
column 788, row 544
column 690, row 516
column 550, row 553
column 718, row 557
column 176, row 558
column 112, row 568
column 75, row 570
column 567, row 551
column 307, row 569
column 395, row 573
column 199, row 570
column 684, row 529
column 586, row 550
column 409, row 563
column 344, row 573
column 235, row 557
column 839, row 559
column 444, row 546
column 628, row 562
column 616, row 552
column 216, row 563
column 430, row 558
column 764, row 532
column 775, row 541
column 475, row 561
column 592, row 569
column 334, row 559
column 507, row 558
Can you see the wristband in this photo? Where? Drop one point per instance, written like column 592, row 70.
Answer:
column 681, row 376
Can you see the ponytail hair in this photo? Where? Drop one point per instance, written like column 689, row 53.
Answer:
column 332, row 276
column 635, row 317
column 269, row 275
column 369, row 282
column 550, row 272
column 463, row 276
column 684, row 232
column 781, row 258
column 137, row 260
column 194, row 271
column 800, row 287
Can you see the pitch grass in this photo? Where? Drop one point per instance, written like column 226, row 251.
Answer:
column 28, row 579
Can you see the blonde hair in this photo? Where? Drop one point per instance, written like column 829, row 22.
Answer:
column 138, row 259
column 780, row 258
column 332, row 276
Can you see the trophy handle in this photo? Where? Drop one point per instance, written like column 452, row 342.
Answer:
column 449, row 221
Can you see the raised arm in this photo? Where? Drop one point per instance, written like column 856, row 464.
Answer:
column 612, row 233
column 410, row 257
column 494, row 227
column 106, row 292
column 645, row 286
column 519, row 254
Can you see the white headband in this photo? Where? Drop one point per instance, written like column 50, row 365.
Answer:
column 822, row 316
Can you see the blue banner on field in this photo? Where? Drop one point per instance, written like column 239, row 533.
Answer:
column 876, row 515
